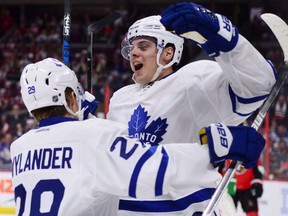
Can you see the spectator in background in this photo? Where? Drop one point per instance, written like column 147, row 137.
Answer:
column 15, row 118
column 19, row 130
column 280, row 110
column 7, row 21
column 4, row 125
column 80, row 66
column 280, row 133
column 5, row 161
column 279, row 160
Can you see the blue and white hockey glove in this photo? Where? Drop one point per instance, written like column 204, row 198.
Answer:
column 213, row 32
column 89, row 105
column 239, row 143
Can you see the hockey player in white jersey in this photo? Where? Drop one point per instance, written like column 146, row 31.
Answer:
column 80, row 168
column 171, row 106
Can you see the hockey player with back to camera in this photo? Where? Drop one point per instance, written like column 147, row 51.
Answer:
column 165, row 105
column 70, row 166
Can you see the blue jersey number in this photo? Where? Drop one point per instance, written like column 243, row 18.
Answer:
column 50, row 185
column 123, row 143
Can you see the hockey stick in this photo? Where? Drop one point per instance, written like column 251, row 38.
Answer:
column 66, row 33
column 280, row 30
column 92, row 29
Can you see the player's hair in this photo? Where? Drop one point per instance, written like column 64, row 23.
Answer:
column 53, row 111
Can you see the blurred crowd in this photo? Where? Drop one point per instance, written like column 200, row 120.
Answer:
column 40, row 36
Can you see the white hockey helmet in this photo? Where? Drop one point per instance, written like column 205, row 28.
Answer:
column 152, row 27
column 43, row 84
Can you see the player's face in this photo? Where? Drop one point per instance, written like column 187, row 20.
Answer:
column 143, row 62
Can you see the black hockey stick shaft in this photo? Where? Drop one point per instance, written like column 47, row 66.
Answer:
column 66, row 33
column 93, row 29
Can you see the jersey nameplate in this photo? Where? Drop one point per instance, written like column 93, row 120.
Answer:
column 45, row 158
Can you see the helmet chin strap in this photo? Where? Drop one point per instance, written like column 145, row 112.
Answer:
column 156, row 75
column 157, row 72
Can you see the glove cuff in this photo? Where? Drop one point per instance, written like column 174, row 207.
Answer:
column 218, row 44
column 236, row 143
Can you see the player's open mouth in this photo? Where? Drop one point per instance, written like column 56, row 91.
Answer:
column 138, row 66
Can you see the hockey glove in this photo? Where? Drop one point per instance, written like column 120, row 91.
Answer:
column 89, row 105
column 239, row 143
column 213, row 32
column 256, row 190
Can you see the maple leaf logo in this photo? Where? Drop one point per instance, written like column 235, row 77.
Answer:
column 153, row 133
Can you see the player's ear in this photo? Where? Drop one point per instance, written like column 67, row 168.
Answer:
column 74, row 98
column 167, row 54
column 71, row 99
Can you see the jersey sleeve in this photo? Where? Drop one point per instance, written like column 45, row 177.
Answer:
column 248, row 72
column 231, row 88
column 250, row 76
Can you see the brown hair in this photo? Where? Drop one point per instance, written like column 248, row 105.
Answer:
column 53, row 111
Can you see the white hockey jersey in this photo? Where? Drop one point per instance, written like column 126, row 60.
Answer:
column 80, row 168
column 175, row 108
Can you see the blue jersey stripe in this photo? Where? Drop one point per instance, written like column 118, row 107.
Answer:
column 166, row 205
column 138, row 167
column 233, row 98
column 161, row 173
column 274, row 70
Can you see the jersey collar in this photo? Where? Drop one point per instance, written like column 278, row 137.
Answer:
column 168, row 75
column 54, row 120
column 148, row 85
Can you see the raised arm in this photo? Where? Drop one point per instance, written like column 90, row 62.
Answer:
column 245, row 76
